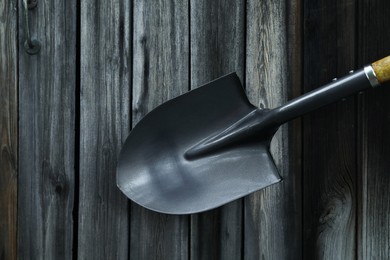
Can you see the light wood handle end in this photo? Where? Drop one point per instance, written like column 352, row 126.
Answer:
column 382, row 70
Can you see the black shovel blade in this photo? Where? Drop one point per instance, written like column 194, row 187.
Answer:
column 154, row 172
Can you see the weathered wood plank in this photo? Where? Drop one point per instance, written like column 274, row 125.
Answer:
column 46, row 132
column 217, row 40
column 329, row 194
column 105, row 58
column 8, row 128
column 374, row 139
column 273, row 67
column 161, row 50
column 294, row 204
column 217, row 48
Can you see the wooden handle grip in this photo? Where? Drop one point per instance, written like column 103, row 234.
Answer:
column 382, row 69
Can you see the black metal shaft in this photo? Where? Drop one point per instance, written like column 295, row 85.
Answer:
column 261, row 124
column 320, row 97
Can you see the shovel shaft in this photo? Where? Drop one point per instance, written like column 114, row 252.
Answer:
column 353, row 83
column 260, row 125
column 370, row 76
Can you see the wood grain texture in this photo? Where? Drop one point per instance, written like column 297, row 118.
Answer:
column 374, row 139
column 46, row 133
column 382, row 69
column 217, row 48
column 295, row 146
column 104, row 66
column 161, row 69
column 105, row 85
column 272, row 215
column 8, row 128
column 329, row 195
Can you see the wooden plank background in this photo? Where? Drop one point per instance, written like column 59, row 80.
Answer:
column 66, row 111
column 373, row 128
column 8, row 129
column 46, row 168
column 329, row 134
column 104, row 121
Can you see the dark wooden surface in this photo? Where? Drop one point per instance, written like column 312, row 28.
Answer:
column 104, row 92
column 46, row 176
column 8, row 129
column 329, row 134
column 66, row 112
column 374, row 140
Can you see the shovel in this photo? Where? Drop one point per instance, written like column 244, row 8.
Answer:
column 210, row 146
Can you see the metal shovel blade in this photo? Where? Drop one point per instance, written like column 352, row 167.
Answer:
column 155, row 171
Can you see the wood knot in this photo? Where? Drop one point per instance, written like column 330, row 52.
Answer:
column 107, row 150
column 8, row 157
column 143, row 40
column 55, row 179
